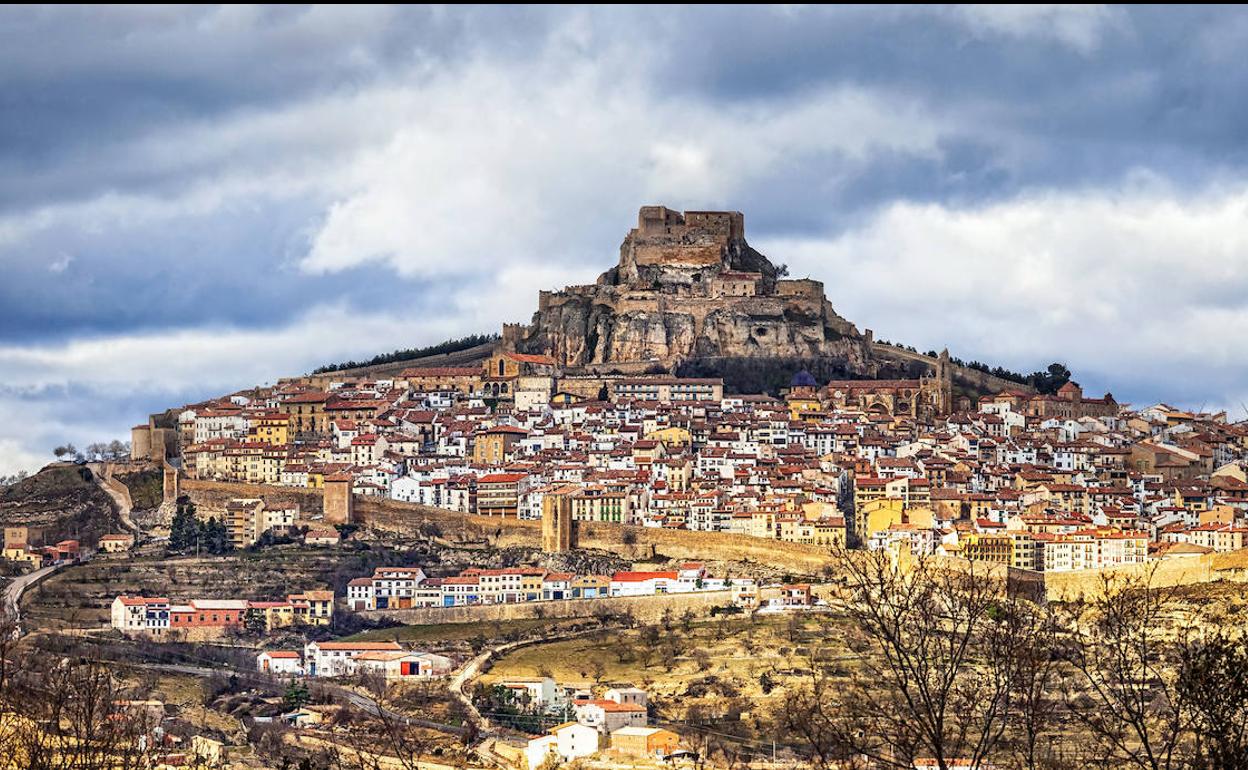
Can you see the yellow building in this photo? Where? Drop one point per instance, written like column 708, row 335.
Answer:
column 116, row 543
column 1015, row 549
column 307, row 412
column 531, row 584
column 314, row 608
column 271, row 428
column 671, row 437
column 18, row 552
column 493, row 445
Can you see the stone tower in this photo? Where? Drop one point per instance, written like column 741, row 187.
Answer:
column 558, row 528
column 944, row 381
column 338, row 502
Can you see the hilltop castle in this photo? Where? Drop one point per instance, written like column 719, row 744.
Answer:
column 688, row 285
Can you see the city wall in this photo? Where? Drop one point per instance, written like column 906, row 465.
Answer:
column 1167, row 573
column 974, row 379
column 647, row 609
column 405, row 518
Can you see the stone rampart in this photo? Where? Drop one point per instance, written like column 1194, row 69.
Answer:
column 1166, row 573
column 396, row 516
column 646, row 609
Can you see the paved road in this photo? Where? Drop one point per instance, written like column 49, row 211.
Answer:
column 13, row 591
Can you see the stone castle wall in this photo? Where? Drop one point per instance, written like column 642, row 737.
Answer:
column 974, row 379
column 396, row 516
column 1167, row 573
column 401, row 517
column 647, row 609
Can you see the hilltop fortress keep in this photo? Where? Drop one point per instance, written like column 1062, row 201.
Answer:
column 688, row 286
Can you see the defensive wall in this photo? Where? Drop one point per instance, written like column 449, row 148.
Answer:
column 798, row 559
column 465, row 357
column 1165, row 573
column 976, row 380
column 400, row 517
column 646, row 609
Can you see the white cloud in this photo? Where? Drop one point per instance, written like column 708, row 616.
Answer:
column 61, row 263
column 517, row 162
column 15, row 456
column 1140, row 288
column 171, row 368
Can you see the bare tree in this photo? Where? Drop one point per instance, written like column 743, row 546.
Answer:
column 1125, row 653
column 74, row 714
column 937, row 648
column 1213, row 679
column 382, row 739
column 1026, row 641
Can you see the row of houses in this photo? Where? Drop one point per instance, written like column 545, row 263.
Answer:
column 406, row 587
column 197, row 619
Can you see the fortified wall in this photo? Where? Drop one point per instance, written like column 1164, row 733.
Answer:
column 647, row 609
column 1167, row 573
column 405, row 518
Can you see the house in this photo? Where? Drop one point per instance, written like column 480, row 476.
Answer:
column 538, row 693
column 334, row 658
column 321, row 537
column 402, row 664
column 634, row 695
column 644, row 742
column 280, row 662
column 313, row 608
column 567, row 741
column 131, row 613
column 116, row 543
column 607, row 716
column 643, row 583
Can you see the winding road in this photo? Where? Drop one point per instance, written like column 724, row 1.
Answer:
column 14, row 590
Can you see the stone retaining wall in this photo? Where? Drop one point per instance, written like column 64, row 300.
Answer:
column 396, row 516
column 647, row 609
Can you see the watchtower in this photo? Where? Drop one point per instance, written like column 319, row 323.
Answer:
column 558, row 528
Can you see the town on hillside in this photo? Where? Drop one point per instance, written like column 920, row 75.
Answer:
column 569, row 552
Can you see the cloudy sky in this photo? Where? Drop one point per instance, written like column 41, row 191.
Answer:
column 193, row 200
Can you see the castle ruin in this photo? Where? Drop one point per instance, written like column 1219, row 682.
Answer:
column 688, row 285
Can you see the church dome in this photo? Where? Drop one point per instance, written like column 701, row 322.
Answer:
column 804, row 379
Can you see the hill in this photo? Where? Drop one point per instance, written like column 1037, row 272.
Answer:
column 64, row 501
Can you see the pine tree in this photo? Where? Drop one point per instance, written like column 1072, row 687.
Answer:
column 215, row 536
column 296, row 695
column 184, row 528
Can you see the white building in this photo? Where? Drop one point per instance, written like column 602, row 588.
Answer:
column 568, row 741
column 334, row 658
column 606, row 716
column 280, row 662
column 538, row 693
column 138, row 613
column 402, row 664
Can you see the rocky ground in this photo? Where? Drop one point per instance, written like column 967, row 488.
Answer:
column 62, row 499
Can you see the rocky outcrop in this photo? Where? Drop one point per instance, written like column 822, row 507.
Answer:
column 688, row 285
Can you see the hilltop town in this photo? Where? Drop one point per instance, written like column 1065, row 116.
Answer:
column 590, row 511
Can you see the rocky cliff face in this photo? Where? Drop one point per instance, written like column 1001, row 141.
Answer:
column 688, row 286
